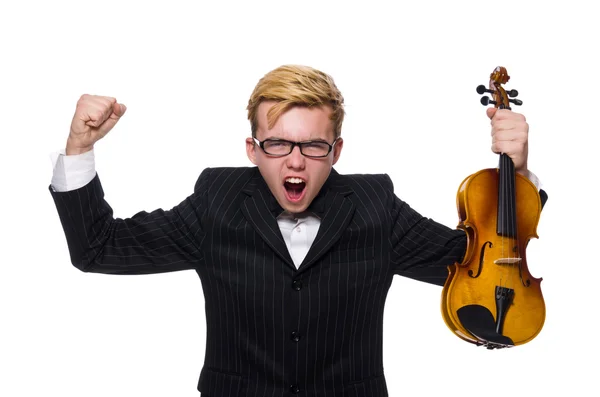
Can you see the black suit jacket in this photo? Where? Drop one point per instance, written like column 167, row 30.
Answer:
column 273, row 329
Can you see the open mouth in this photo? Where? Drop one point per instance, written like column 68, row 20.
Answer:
column 294, row 189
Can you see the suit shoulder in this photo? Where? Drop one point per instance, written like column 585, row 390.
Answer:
column 377, row 182
column 216, row 177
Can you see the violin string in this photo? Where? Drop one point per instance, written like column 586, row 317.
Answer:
column 506, row 219
column 511, row 209
column 507, row 253
column 501, row 216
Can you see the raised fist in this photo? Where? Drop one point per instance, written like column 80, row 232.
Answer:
column 94, row 117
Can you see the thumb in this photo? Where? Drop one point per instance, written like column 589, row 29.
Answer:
column 118, row 110
column 491, row 112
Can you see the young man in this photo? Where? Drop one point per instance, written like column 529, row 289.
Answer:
column 295, row 259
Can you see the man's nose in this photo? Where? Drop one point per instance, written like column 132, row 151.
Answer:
column 296, row 159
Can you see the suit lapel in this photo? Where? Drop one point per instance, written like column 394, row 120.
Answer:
column 332, row 204
column 336, row 211
column 259, row 208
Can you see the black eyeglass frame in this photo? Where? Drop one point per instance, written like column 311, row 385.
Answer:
column 300, row 145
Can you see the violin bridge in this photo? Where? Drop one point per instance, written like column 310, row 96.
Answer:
column 507, row 261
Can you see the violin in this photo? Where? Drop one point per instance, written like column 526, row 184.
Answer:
column 491, row 299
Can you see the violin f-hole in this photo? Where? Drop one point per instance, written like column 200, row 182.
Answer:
column 481, row 256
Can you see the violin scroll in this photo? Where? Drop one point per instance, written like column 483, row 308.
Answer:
column 500, row 97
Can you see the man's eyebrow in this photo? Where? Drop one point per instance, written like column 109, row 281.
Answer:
column 316, row 139
column 276, row 138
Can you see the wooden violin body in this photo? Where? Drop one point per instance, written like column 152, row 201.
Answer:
column 490, row 298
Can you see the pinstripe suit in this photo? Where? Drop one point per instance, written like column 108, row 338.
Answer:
column 274, row 329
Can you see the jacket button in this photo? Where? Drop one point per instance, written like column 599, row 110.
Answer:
column 295, row 336
column 297, row 285
column 295, row 389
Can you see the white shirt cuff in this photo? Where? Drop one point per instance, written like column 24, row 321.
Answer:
column 72, row 172
column 534, row 179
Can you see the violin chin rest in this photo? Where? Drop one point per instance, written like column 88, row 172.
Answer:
column 479, row 321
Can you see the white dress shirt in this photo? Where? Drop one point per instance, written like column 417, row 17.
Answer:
column 73, row 172
column 299, row 232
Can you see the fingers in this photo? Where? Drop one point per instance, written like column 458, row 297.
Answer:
column 507, row 125
column 94, row 110
column 510, row 133
column 510, row 147
column 116, row 111
column 503, row 114
column 94, row 117
column 119, row 109
column 491, row 112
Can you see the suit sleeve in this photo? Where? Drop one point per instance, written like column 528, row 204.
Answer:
column 422, row 249
column 148, row 242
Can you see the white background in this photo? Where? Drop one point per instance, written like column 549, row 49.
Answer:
column 408, row 71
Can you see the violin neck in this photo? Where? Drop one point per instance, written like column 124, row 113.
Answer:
column 506, row 221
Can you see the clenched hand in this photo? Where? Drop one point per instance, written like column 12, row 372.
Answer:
column 94, row 117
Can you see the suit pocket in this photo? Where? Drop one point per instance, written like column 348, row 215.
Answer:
column 370, row 387
column 354, row 255
column 215, row 383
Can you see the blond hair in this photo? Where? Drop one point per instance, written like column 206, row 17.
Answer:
column 296, row 85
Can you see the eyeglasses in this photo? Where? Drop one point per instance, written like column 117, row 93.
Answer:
column 281, row 147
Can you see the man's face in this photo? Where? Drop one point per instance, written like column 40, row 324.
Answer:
column 298, row 124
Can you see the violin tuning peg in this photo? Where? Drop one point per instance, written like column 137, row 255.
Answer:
column 482, row 90
column 517, row 102
column 487, row 101
column 512, row 93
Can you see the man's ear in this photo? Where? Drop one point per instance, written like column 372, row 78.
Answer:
column 337, row 150
column 251, row 150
